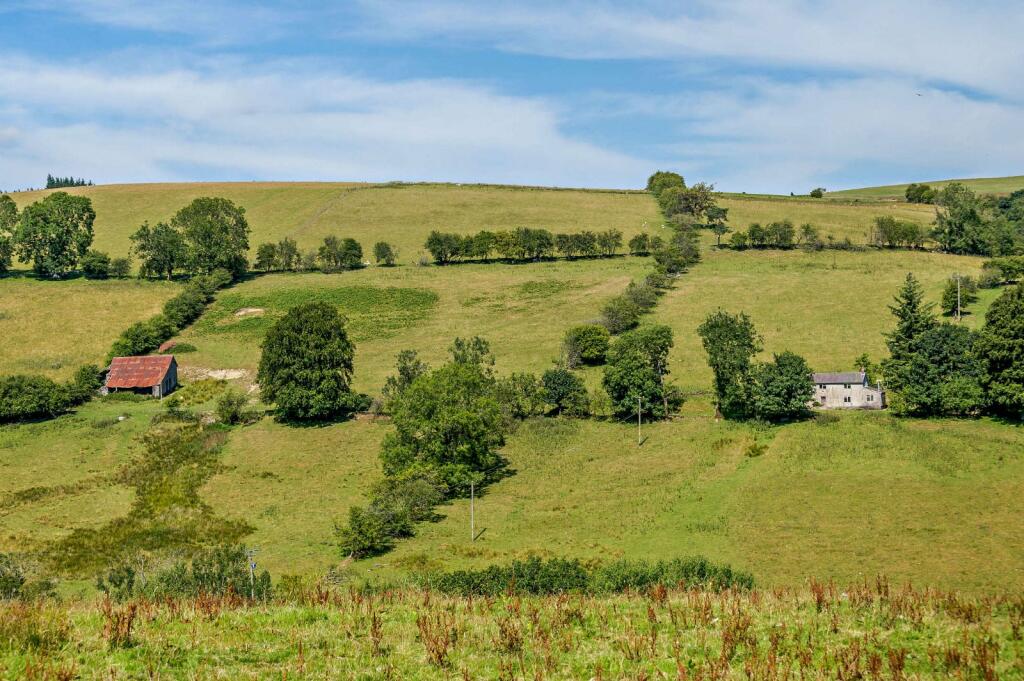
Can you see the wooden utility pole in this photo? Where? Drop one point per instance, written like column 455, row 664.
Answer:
column 958, row 296
column 472, row 511
column 638, row 440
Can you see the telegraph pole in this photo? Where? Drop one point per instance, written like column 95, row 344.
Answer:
column 472, row 510
column 250, row 554
column 638, row 440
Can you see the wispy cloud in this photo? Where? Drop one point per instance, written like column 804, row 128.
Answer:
column 973, row 45
column 284, row 122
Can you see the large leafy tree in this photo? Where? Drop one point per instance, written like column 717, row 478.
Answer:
column 661, row 180
column 780, row 390
column 448, row 422
column 731, row 341
column 1001, row 347
column 160, row 248
column 635, row 374
column 216, row 234
column 8, row 224
column 306, row 365
column 55, row 233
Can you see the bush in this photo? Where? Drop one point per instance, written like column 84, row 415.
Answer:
column 120, row 267
column 586, row 344
column 817, row 192
column 565, row 391
column 643, row 296
column 384, row 253
column 24, row 397
column 367, row 533
column 620, row 314
column 233, row 408
column 11, row 577
column 556, row 575
column 520, row 395
column 219, row 571
column 95, row 265
column 87, row 381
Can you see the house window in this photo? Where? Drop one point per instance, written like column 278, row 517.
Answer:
column 848, row 399
column 871, row 398
column 846, row 385
column 821, row 386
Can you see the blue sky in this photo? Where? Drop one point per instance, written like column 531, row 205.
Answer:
column 750, row 95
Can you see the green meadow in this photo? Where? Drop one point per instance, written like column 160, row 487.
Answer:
column 842, row 497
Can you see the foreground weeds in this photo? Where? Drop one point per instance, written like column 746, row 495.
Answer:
column 867, row 631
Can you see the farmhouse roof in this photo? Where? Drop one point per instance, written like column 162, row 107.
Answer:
column 138, row 372
column 839, row 377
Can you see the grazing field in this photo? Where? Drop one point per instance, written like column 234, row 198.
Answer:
column 401, row 214
column 841, row 220
column 827, row 306
column 868, row 630
column 895, row 192
column 52, row 327
column 523, row 310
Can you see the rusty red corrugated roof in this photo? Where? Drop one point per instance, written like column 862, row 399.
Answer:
column 138, row 372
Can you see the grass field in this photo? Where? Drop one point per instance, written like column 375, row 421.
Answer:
column 839, row 219
column 52, row 327
column 868, row 630
column 405, row 214
column 400, row 214
column 917, row 500
column 895, row 192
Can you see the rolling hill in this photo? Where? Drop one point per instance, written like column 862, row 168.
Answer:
column 844, row 497
column 895, row 192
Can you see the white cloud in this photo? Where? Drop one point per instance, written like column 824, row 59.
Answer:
column 974, row 45
column 771, row 136
column 284, row 122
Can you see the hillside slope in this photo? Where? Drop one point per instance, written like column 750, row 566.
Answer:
column 895, row 192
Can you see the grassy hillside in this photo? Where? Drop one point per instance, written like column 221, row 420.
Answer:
column 935, row 502
column 401, row 214
column 866, row 630
column 405, row 214
column 52, row 327
column 839, row 219
column 895, row 192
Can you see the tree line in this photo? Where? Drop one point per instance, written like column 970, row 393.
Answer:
column 526, row 243
column 62, row 182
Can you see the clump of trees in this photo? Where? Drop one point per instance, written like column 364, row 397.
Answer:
column 969, row 224
column 306, row 365
column 521, row 244
column 208, row 234
column 817, row 193
column 63, row 182
column 889, row 232
column 586, row 344
column 385, row 254
column 919, row 193
column 634, row 377
column 774, row 391
column 8, row 226
column 28, row 397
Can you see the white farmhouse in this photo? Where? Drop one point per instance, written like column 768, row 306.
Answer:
column 846, row 390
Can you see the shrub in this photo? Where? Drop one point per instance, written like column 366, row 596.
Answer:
column 87, row 381
column 24, row 397
column 817, row 192
column 196, row 393
column 219, row 571
column 520, row 395
column 11, row 577
column 34, row 626
column 367, row 533
column 184, row 348
column 233, row 408
column 643, row 296
column 120, row 267
column 565, row 391
column 384, row 253
column 143, row 337
column 620, row 314
column 556, row 575
column 586, row 344
column 95, row 265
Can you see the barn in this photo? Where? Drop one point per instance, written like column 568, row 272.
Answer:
column 156, row 375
